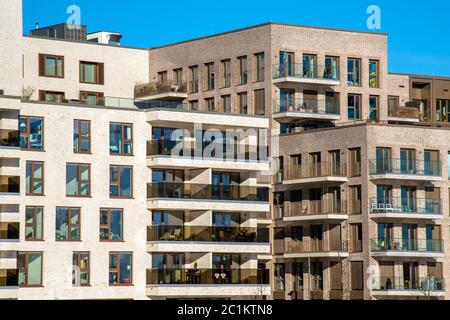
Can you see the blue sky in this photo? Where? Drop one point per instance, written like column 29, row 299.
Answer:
column 419, row 31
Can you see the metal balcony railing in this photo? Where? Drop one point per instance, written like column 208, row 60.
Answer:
column 207, row 192
column 430, row 284
column 207, row 234
column 406, row 205
column 316, row 170
column 214, row 276
column 406, row 167
column 306, row 106
column 315, row 246
column 306, row 71
column 311, row 208
column 407, row 245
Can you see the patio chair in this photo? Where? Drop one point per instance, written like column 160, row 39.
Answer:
column 176, row 235
column 389, row 208
column 374, row 207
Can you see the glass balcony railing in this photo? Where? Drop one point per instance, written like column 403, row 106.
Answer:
column 9, row 278
column 159, row 87
column 406, row 245
column 9, row 138
column 311, row 208
column 316, row 170
column 406, row 167
column 9, row 231
column 207, row 192
column 306, row 71
column 406, row 205
column 307, row 106
column 430, row 284
column 215, row 276
column 315, row 246
column 207, row 234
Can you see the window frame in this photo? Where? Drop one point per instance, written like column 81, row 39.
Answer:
column 43, row 93
column 98, row 73
column 243, row 69
column 77, row 123
column 117, row 182
column 210, row 76
column 80, row 182
column 359, row 83
column 377, row 73
column 354, row 107
column 29, row 191
column 69, row 224
column 225, row 66
column 87, row 270
column 194, row 79
column 42, row 63
column 25, row 268
column 28, row 133
column 376, row 109
column 122, row 139
column 108, row 225
column 99, row 97
column 117, row 270
column 260, row 66
column 33, row 225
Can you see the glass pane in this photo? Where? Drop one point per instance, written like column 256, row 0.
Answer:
column 116, row 225
column 35, row 133
column 62, row 224
column 115, row 136
column 72, row 180
column 50, row 66
column 125, row 268
column 39, row 218
column 34, row 268
column 125, row 182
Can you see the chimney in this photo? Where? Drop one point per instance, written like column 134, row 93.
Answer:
column 37, row 25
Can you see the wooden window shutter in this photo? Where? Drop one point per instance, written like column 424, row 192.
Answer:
column 101, row 73
column 260, row 102
column 41, row 65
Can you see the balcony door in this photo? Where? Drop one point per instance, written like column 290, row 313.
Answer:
column 316, row 273
column 387, row 280
column 316, row 236
column 408, row 198
column 384, row 195
column 169, row 267
column 223, row 225
column 433, row 238
column 309, row 66
column 410, row 275
column 407, row 161
column 409, row 237
column 335, row 241
column 385, row 233
column 315, row 161
column 334, row 163
column 383, row 161
column 287, row 100
column 432, row 165
column 226, row 268
column 297, row 275
column 310, row 101
column 168, row 183
column 222, row 185
column 287, row 64
column 315, row 201
column 334, row 200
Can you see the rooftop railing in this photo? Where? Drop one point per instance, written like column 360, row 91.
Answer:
column 156, row 88
column 306, row 106
column 406, row 245
column 406, row 205
column 316, row 170
column 406, row 167
column 306, row 71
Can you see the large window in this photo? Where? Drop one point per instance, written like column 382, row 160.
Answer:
column 68, row 224
column 279, row 277
column 121, row 182
column 331, row 68
column 111, row 225
column 373, row 108
column 226, row 73
column 51, row 66
column 31, row 133
column 51, row 96
column 121, row 139
column 81, row 269
column 35, row 178
column 34, row 217
column 243, row 102
column 260, row 102
column 91, row 72
column 243, row 73
column 92, row 98
column 259, row 66
column 81, row 136
column 120, row 269
column 193, row 82
column 78, row 180
column 374, row 78
column 354, row 72
column 30, row 269
column 225, row 103
column 354, row 106
column 210, row 76
column 210, row 104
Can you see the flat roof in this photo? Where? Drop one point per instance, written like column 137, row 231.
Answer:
column 268, row 24
column 420, row 76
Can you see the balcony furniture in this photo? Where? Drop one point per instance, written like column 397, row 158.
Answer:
column 176, row 235
column 389, row 208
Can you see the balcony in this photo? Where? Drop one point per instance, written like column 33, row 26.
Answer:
column 9, row 189
column 306, row 73
column 297, row 109
column 187, row 196
column 166, row 90
column 418, row 248
column 219, row 282
column 319, row 172
column 9, row 231
column 316, row 249
column 163, row 154
column 404, row 208
column 315, row 211
column 394, row 286
column 403, row 114
column 9, row 284
column 9, row 138
column 399, row 169
column 242, row 240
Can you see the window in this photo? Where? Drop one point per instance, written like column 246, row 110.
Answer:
column 120, row 269
column 243, row 73
column 193, row 82
column 31, row 133
column 121, row 182
column 30, row 269
column 178, row 77
column 162, row 76
column 226, row 103
column 51, row 66
column 68, row 225
column 357, row 275
column 354, row 162
column 81, row 269
column 35, row 178
column 374, row 74
column 393, row 105
column 81, row 136
column 355, row 200
column 442, row 110
column 210, row 76
column 51, row 96
column 356, row 237
column 78, row 180
column 34, row 223
column 259, row 66
column 260, row 99
column 279, row 277
column 210, row 104
column 111, row 225
column 448, row 164
column 373, row 108
column 92, row 98
column 243, row 103
column 226, row 73
column 354, row 106
column 310, row 66
column 354, row 72
column 121, row 139
column 193, row 105
column 331, row 68
column 91, row 72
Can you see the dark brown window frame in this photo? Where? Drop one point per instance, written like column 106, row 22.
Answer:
column 108, row 225
column 79, row 122
column 42, row 94
column 79, row 180
column 42, row 57
column 28, row 134
column 123, row 142
column 118, row 254
column 99, row 72
column 34, row 239
column 360, row 83
column 377, row 76
column 118, row 167
column 100, row 97
column 25, row 269
column 32, row 179
column 88, row 269
column 69, row 224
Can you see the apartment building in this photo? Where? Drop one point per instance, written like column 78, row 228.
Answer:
column 272, row 162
